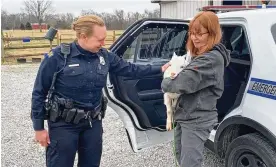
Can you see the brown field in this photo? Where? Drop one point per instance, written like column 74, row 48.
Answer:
column 18, row 48
column 37, row 33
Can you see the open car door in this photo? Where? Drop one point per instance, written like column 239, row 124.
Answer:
column 139, row 101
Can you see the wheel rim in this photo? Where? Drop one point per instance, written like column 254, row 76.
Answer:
column 250, row 160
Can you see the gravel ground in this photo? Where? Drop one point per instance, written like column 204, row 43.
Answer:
column 19, row 150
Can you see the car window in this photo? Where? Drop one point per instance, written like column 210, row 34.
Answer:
column 158, row 43
column 273, row 31
column 176, row 43
column 234, row 38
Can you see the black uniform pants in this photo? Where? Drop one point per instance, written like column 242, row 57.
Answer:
column 66, row 139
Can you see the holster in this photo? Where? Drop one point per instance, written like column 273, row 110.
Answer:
column 104, row 106
column 53, row 110
column 46, row 110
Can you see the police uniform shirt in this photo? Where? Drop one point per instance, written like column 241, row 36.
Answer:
column 82, row 79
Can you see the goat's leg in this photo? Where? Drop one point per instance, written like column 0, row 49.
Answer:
column 174, row 101
column 168, row 103
column 173, row 107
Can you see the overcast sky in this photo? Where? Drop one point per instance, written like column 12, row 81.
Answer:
column 75, row 6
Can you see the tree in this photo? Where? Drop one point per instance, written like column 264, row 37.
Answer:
column 116, row 20
column 107, row 17
column 120, row 14
column 88, row 12
column 4, row 19
column 38, row 8
column 22, row 27
column 28, row 26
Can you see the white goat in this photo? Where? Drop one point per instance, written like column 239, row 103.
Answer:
column 177, row 65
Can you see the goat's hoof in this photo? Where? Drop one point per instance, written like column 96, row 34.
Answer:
column 169, row 126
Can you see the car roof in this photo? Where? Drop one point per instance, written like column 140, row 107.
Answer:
column 248, row 14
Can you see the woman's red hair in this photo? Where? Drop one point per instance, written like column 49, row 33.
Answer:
column 209, row 21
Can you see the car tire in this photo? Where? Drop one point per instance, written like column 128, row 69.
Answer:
column 250, row 150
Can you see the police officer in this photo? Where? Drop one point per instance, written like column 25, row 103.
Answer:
column 71, row 82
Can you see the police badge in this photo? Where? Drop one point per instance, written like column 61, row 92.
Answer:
column 102, row 61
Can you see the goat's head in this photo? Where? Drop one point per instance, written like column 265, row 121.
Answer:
column 178, row 63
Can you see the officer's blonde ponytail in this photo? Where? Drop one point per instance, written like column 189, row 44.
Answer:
column 85, row 24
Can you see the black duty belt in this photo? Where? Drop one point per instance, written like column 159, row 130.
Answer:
column 75, row 114
column 67, row 109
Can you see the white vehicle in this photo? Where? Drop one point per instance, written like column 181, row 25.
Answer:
column 246, row 132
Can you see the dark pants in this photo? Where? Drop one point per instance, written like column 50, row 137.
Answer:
column 66, row 139
column 189, row 145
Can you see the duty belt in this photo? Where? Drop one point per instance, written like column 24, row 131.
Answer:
column 67, row 109
column 75, row 114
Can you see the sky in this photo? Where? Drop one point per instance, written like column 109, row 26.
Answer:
column 75, row 6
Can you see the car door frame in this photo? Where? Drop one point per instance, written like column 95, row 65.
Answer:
column 215, row 140
column 139, row 138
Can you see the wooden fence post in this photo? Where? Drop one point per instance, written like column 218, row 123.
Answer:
column 114, row 35
column 57, row 38
column 60, row 38
column 2, row 47
column 51, row 45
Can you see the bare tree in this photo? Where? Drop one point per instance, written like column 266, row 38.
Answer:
column 114, row 21
column 88, row 12
column 38, row 8
column 4, row 19
column 107, row 17
column 120, row 14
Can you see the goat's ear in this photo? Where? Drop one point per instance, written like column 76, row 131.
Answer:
column 174, row 55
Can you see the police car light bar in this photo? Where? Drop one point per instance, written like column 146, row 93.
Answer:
column 226, row 8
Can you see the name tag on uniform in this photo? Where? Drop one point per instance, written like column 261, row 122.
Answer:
column 74, row 65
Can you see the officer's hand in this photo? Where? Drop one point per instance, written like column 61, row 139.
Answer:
column 42, row 137
column 164, row 67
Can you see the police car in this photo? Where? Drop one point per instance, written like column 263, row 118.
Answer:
column 246, row 132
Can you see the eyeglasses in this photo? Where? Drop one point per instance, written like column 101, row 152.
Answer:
column 197, row 35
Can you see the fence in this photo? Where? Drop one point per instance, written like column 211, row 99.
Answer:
column 22, row 47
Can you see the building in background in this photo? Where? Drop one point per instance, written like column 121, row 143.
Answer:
column 35, row 26
column 181, row 9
